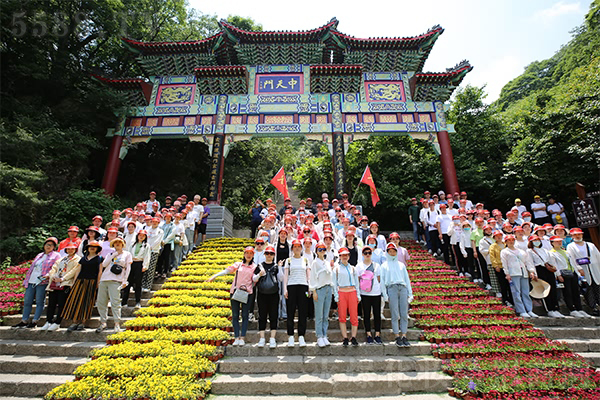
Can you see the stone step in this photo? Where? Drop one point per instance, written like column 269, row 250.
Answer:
column 333, row 322
column 583, row 345
column 61, row 335
column 20, row 364
column 333, row 335
column 425, row 396
column 92, row 323
column 561, row 332
column 592, row 357
column 336, row 349
column 126, row 312
column 566, row 322
column 356, row 384
column 30, row 385
column 47, row 348
column 326, row 364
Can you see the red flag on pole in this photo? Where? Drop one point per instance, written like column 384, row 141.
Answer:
column 280, row 183
column 367, row 179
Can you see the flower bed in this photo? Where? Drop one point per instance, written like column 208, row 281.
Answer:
column 12, row 292
column 491, row 353
column 185, row 300
column 147, row 386
column 214, row 337
column 183, row 310
column 178, row 364
column 183, row 322
column 157, row 348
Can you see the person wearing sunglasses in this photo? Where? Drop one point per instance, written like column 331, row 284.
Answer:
column 321, row 287
column 370, row 293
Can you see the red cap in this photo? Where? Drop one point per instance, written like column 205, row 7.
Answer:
column 93, row 228
column 526, row 214
column 394, row 235
column 143, row 231
column 97, row 217
column 556, row 239
column 427, row 192
column 270, row 249
column 455, row 217
column 463, row 193
column 547, row 226
column 373, row 237
column 296, row 242
column 155, row 219
column 374, row 223
column 204, row 199
column 131, row 223
column 94, row 243
column 153, row 192
column 443, row 206
column 497, row 233
column 53, row 240
column 518, row 229
column 478, row 204
column 391, row 246
column 168, row 198
column 259, row 240
column 249, row 249
column 559, row 226
column 506, row 225
column 343, row 250
column 73, row 229
column 413, row 199
column 487, row 227
column 478, row 219
column 575, row 231
column 71, row 245
column 509, row 237
column 532, row 238
column 491, row 221
column 116, row 212
column 113, row 230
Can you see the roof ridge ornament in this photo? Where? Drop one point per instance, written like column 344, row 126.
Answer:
column 459, row 66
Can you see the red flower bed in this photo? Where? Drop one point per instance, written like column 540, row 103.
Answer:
column 12, row 292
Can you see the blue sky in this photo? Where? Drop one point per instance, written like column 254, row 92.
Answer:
column 500, row 38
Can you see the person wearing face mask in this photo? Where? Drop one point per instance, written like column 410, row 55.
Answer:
column 396, row 289
column 585, row 256
column 542, row 261
column 378, row 254
column 455, row 234
column 526, row 216
column 518, row 270
column 363, row 230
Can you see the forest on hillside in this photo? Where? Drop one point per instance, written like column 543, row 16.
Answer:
column 541, row 136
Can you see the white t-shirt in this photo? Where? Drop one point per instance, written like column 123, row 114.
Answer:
column 297, row 270
column 431, row 219
column 445, row 221
column 375, row 288
column 520, row 209
column 541, row 213
column 556, row 207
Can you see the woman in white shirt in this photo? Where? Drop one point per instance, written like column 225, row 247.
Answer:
column 370, row 294
column 484, row 249
column 455, row 233
column 521, row 241
column 113, row 278
column 295, row 282
column 545, row 271
column 179, row 228
column 568, row 275
column 347, row 295
column 321, row 287
column 141, row 252
column 586, row 256
column 518, row 271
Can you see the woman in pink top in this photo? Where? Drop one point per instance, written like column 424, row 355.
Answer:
column 244, row 271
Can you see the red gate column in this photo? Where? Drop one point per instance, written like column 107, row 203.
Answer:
column 113, row 164
column 217, row 162
column 447, row 162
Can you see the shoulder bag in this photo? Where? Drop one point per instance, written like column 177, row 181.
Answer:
column 240, row 294
column 268, row 284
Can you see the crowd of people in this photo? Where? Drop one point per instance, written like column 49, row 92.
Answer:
column 101, row 267
column 511, row 252
column 315, row 258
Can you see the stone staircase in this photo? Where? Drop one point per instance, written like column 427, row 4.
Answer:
column 32, row 362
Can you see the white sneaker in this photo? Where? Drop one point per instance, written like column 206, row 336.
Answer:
column 499, row 295
column 468, row 275
column 430, row 252
column 117, row 328
column 584, row 314
column 241, row 343
column 45, row 327
column 53, row 327
column 301, row 341
column 326, row 341
column 261, row 342
column 320, row 342
column 236, row 342
column 291, row 342
column 461, row 275
column 556, row 314
column 532, row 314
column 524, row 315
column 272, row 343
column 488, row 287
column 576, row 314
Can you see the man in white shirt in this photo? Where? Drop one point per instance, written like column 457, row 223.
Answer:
column 443, row 222
column 520, row 208
column 431, row 229
column 469, row 203
column 556, row 209
column 540, row 216
column 150, row 202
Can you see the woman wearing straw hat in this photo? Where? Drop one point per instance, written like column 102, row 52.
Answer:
column 113, row 278
column 545, row 270
column 82, row 297
column 518, row 269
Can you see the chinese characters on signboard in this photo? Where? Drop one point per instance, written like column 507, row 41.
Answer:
column 585, row 213
column 279, row 84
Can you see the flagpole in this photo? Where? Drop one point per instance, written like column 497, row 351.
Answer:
column 359, row 182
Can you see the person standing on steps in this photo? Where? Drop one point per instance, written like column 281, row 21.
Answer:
column 396, row 289
column 113, row 278
column 586, row 256
column 267, row 296
column 346, row 292
column 36, row 281
column 542, row 262
column 518, row 272
column 58, row 289
column 141, row 253
column 82, row 297
column 295, row 280
column 413, row 215
column 282, row 253
column 244, row 274
column 370, row 294
column 321, row 287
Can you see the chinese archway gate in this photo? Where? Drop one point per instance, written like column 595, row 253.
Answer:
column 321, row 83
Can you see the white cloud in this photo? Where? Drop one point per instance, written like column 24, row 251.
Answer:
column 559, row 9
column 495, row 74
